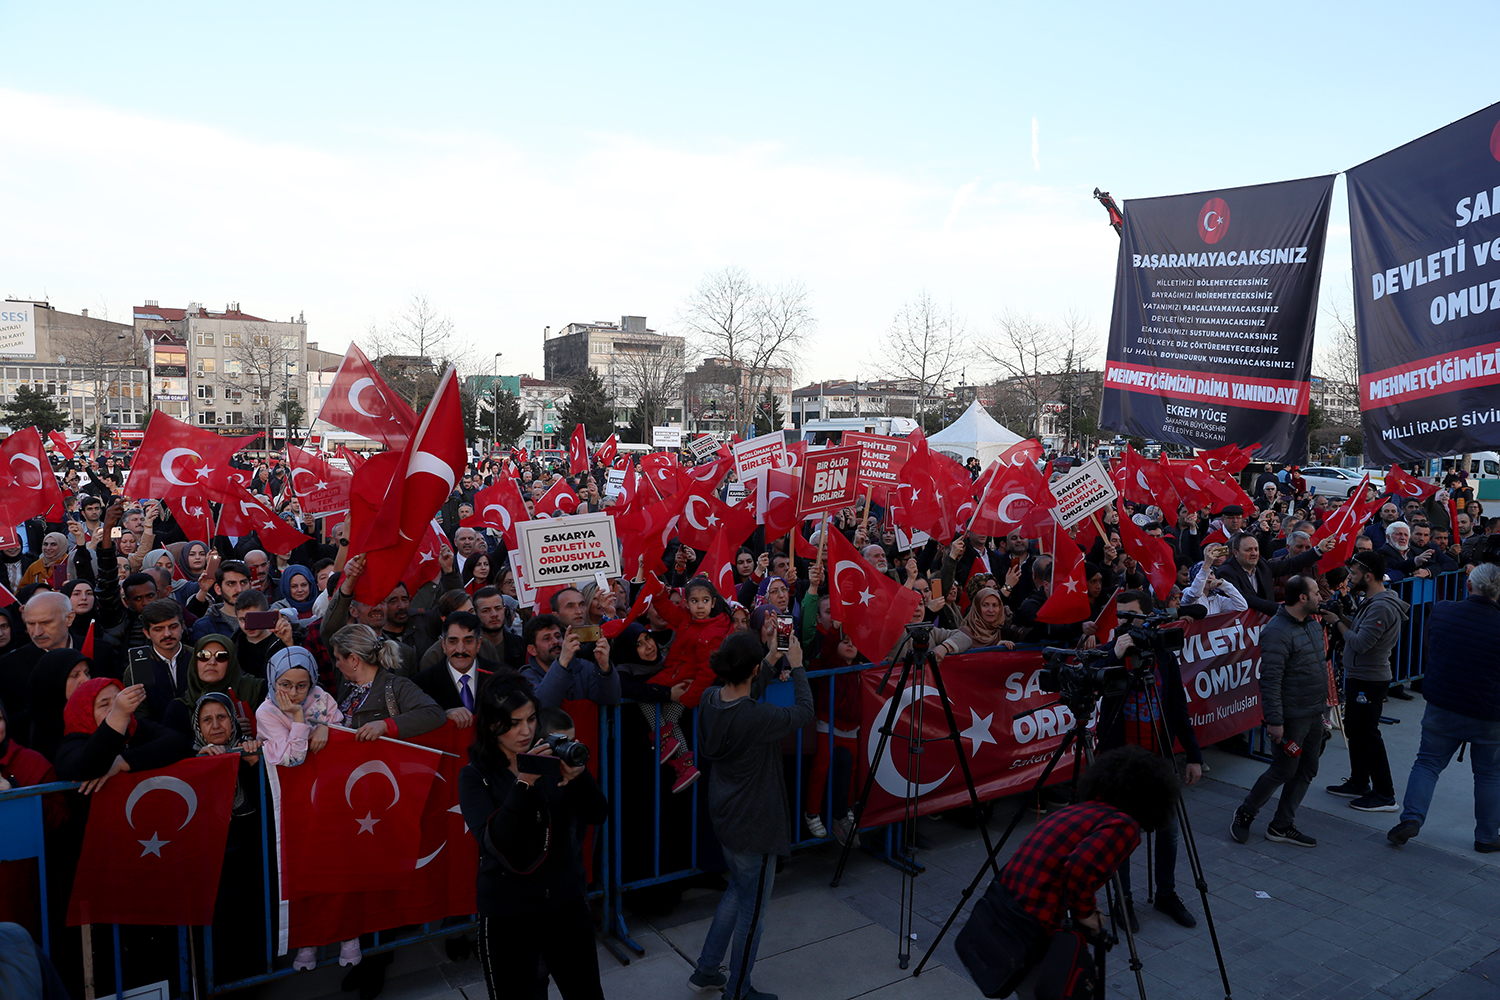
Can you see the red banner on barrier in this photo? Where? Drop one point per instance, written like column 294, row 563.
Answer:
column 1221, row 674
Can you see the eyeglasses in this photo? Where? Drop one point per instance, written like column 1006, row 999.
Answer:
column 205, row 656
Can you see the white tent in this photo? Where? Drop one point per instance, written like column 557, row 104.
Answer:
column 975, row 434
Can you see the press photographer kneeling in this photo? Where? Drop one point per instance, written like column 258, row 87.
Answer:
column 1154, row 696
column 526, row 805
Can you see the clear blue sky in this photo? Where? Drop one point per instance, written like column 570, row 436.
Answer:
column 530, row 165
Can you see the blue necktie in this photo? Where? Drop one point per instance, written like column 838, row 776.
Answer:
column 464, row 693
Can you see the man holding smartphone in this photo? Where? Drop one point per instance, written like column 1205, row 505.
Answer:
column 557, row 671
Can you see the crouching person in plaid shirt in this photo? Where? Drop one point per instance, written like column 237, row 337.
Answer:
column 1056, row 872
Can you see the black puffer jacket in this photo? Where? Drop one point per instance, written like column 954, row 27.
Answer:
column 1293, row 674
column 1463, row 658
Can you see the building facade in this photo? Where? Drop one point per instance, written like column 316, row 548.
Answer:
column 631, row 359
column 88, row 364
column 540, row 401
column 840, row 399
column 722, row 397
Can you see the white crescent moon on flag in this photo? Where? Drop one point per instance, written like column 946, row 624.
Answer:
column 32, row 461
column 296, row 471
column 1140, row 477
column 354, row 391
column 1211, row 462
column 372, row 767
column 171, row 456
column 687, row 512
column 887, row 775
column 504, row 514
column 671, row 527
column 422, row 862
column 1416, row 489
column 1004, row 509
column 839, row 566
column 166, row 783
column 423, row 461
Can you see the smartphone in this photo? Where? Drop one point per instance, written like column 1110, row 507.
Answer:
column 259, row 619
column 587, row 633
column 784, row 631
column 114, row 532
column 547, row 766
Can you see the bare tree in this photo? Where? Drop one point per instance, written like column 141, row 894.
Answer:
column 262, row 372
column 1028, row 354
column 651, row 375
column 925, row 345
column 414, row 348
column 105, row 354
column 756, row 330
column 1339, row 360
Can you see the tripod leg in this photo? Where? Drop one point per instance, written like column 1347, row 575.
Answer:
column 886, row 729
column 963, row 758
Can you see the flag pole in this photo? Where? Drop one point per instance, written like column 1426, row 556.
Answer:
column 868, row 489
column 822, row 541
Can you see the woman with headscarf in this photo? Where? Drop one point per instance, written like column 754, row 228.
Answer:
column 985, row 620
column 57, row 675
column 215, row 668
column 20, row 889
column 81, row 594
column 299, row 589
column 52, row 567
column 239, row 922
column 191, row 557
column 12, row 629
column 102, row 736
column 153, row 558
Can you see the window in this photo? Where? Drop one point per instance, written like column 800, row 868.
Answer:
column 236, row 417
column 206, row 416
column 260, row 339
column 234, row 367
column 231, row 340
column 291, row 393
column 288, row 341
column 205, row 392
column 204, row 339
column 208, row 364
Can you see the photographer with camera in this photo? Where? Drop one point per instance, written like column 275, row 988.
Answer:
column 1293, row 696
column 1062, row 864
column 1369, row 636
column 527, row 806
column 747, row 803
column 1155, row 695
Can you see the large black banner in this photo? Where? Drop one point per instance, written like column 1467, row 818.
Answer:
column 1425, row 221
column 1211, row 338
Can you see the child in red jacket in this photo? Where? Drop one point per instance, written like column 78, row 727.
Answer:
column 697, row 635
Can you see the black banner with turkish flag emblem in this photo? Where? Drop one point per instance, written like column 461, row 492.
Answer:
column 1215, row 298
column 154, row 846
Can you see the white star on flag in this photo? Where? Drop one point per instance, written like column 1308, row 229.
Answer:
column 152, row 846
column 865, row 596
column 204, row 472
column 366, row 825
column 978, row 732
column 320, row 485
column 1072, row 586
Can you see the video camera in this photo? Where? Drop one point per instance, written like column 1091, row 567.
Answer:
column 1072, row 674
column 1151, row 639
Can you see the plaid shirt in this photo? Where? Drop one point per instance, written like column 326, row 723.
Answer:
column 1067, row 858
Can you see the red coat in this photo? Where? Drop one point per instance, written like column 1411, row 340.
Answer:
column 693, row 642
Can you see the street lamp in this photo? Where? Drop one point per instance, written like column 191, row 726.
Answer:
column 495, row 406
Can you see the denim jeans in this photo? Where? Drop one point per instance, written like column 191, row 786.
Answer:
column 1165, row 856
column 739, row 918
column 1442, row 732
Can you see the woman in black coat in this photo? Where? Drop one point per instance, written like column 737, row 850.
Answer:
column 531, row 889
column 102, row 737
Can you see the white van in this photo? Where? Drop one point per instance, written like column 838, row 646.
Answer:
column 1482, row 464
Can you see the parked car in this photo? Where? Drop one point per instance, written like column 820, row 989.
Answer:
column 1330, row 480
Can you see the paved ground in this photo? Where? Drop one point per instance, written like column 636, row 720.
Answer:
column 1352, row 918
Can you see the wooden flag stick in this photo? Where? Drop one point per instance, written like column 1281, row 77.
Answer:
column 868, row 489
column 822, row 540
column 1102, row 533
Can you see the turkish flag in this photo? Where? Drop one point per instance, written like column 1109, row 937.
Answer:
column 328, row 489
column 242, row 514
column 1153, row 554
column 1143, row 481
column 1007, row 749
column 663, row 472
column 1195, row 484
column 1028, row 452
column 420, row 484
column 705, row 517
column 629, row 489
column 781, row 515
column 796, row 453
column 1228, row 459
column 1343, row 526
column 61, row 444
column 194, row 516
column 649, row 589
column 645, row 532
column 364, row 796
column 578, row 451
column 360, row 402
column 154, row 845
column 1398, row 483
column 354, row 460
column 1017, row 498
column 559, row 498
column 178, row 460
column 1069, row 600
column 27, row 483
column 608, row 448
column 718, row 561
column 873, row 609
column 426, row 564
column 500, row 507
column 935, row 491
column 1108, row 620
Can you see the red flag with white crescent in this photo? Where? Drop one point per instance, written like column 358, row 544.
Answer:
column 242, row 514
column 1153, row 554
column 194, row 516
column 578, row 451
column 320, row 488
column 179, row 460
column 559, row 498
column 1343, row 526
column 873, row 609
column 61, row 444
column 1408, row 487
column 1068, row 601
column 150, row 830
column 359, row 401
column 500, row 507
column 608, row 448
column 28, row 487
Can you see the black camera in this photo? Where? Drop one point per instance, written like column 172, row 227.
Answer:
column 1073, row 675
column 570, row 752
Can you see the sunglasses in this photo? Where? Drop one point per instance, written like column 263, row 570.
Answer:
column 205, row 656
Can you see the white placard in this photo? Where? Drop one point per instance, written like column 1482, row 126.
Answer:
column 666, row 437
column 17, row 330
column 614, row 483
column 568, row 549
column 736, row 492
column 703, row 448
column 765, row 452
column 1081, row 492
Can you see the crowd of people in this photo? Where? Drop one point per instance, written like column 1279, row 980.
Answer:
column 132, row 645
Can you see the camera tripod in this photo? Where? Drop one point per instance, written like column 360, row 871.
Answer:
column 1083, row 701
column 920, row 651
